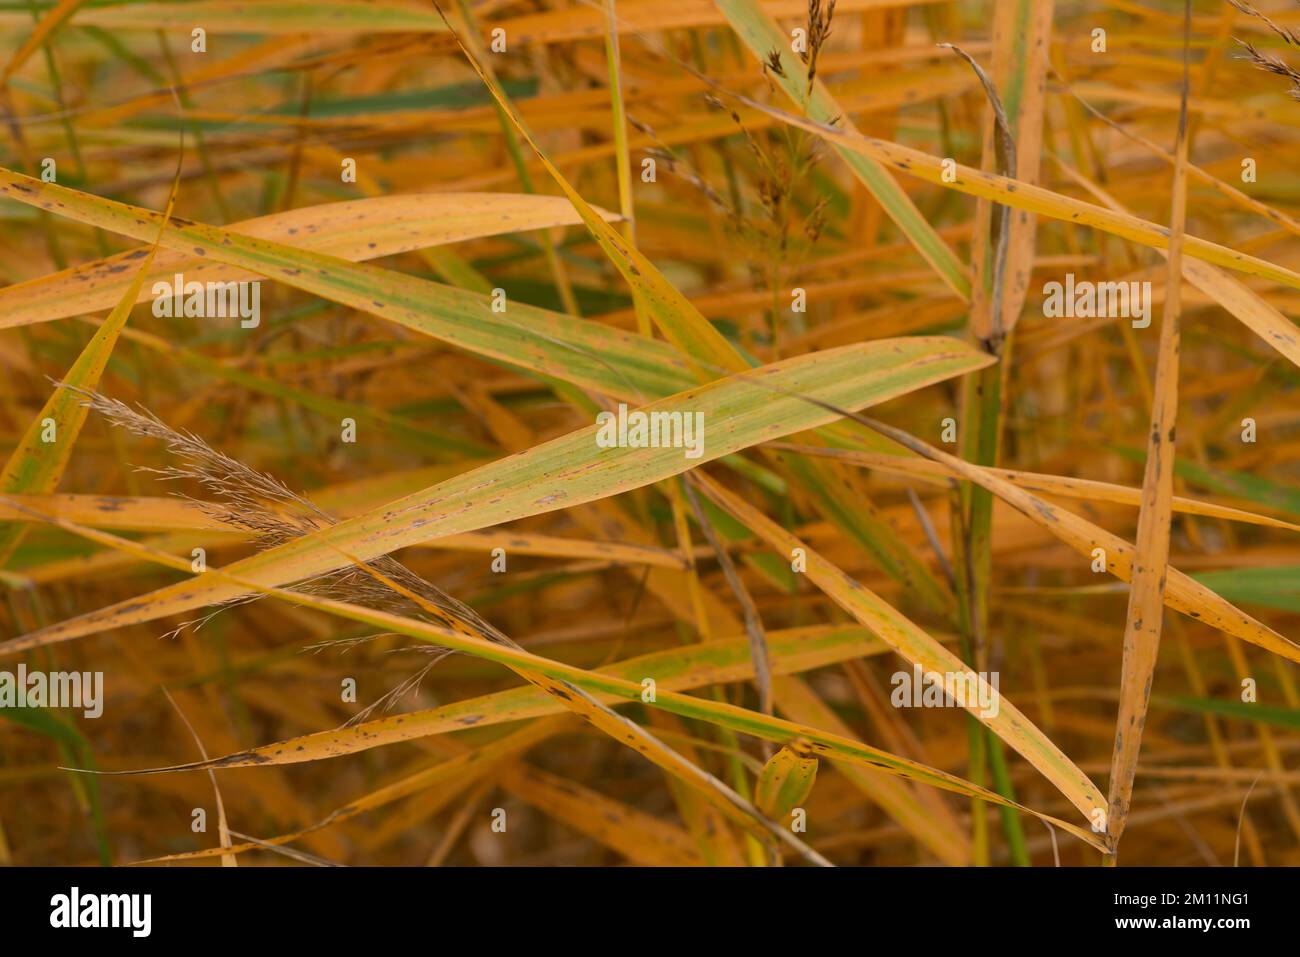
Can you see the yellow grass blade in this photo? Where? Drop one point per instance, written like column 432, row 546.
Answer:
column 355, row 230
column 739, row 411
column 1145, row 619
column 920, row 649
column 1089, row 490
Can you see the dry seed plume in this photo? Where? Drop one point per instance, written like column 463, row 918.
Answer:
column 264, row 506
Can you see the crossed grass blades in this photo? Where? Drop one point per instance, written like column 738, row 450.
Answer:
column 623, row 655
